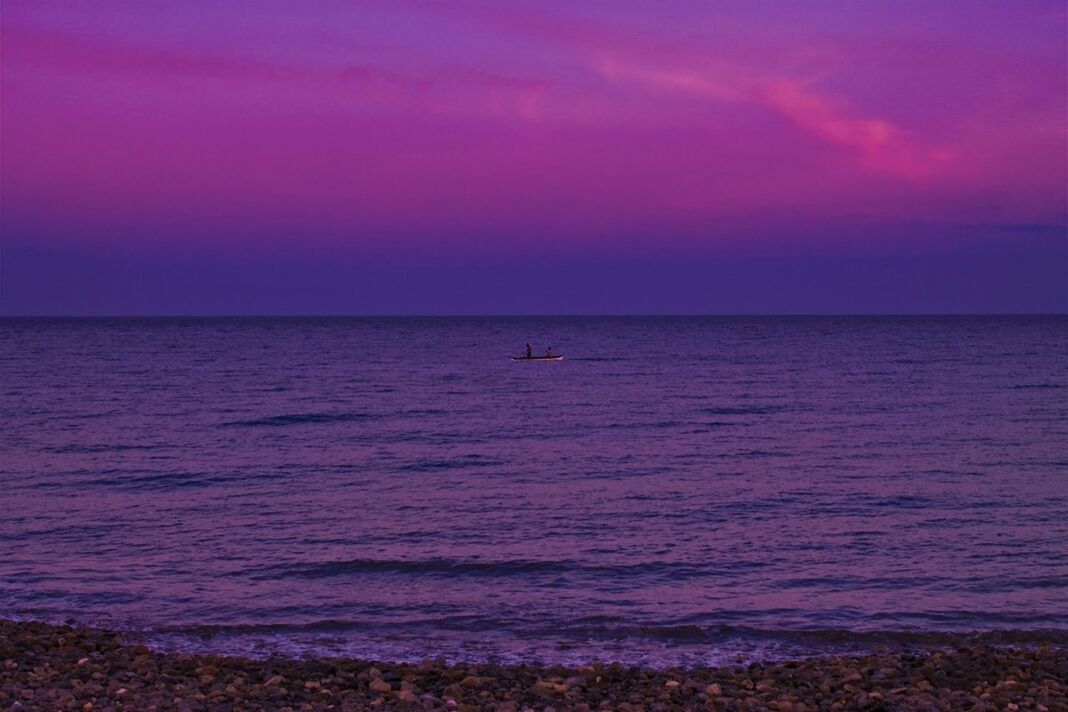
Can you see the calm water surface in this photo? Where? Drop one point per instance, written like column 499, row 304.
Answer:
column 676, row 490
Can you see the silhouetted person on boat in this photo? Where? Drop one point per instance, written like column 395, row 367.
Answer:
column 530, row 352
column 549, row 352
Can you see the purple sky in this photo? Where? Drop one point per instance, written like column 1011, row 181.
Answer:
column 486, row 157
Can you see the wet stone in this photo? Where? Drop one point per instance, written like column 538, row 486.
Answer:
column 58, row 668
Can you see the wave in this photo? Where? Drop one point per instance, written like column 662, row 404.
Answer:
column 819, row 638
column 611, row 640
column 451, row 464
column 300, row 419
column 90, row 449
column 617, row 628
column 439, row 567
column 167, row 481
column 1028, row 386
column 641, row 425
column 744, row 410
column 444, row 567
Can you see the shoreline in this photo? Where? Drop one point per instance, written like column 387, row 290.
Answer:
column 50, row 667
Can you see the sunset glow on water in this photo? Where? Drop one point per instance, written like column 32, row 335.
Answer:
column 675, row 490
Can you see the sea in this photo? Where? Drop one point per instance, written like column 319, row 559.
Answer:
column 675, row 491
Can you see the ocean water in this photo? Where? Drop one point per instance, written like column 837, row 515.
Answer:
column 676, row 491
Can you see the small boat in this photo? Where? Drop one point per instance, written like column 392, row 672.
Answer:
column 554, row 357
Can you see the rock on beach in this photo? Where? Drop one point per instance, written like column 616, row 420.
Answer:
column 46, row 667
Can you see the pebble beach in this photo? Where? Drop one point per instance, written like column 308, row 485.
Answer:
column 47, row 667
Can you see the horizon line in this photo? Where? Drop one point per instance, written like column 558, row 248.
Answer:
column 582, row 315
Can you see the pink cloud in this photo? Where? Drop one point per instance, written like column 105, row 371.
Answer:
column 881, row 145
column 736, row 72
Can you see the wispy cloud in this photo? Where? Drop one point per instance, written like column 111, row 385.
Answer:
column 741, row 74
column 878, row 143
column 1033, row 228
column 226, row 77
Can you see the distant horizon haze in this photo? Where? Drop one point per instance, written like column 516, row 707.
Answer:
column 68, row 282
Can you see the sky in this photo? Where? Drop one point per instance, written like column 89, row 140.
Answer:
column 592, row 156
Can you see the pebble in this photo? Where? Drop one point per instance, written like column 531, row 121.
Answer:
column 61, row 668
